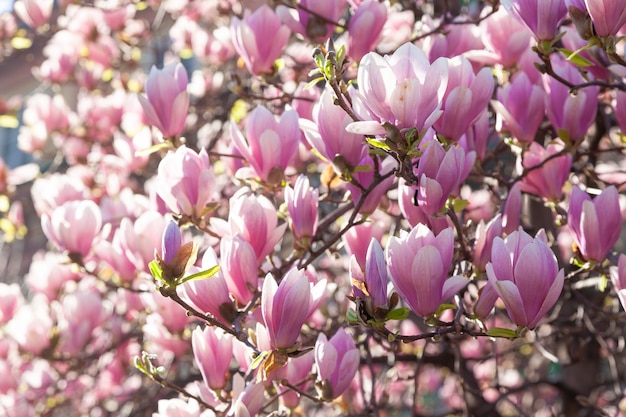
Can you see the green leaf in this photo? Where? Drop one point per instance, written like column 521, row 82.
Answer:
column 459, row 204
column 398, row 314
column 443, row 308
column 313, row 82
column 377, row 143
column 362, row 168
column 156, row 270
column 351, row 316
column 576, row 59
column 502, row 332
column 201, row 275
column 259, row 359
column 341, row 55
column 153, row 149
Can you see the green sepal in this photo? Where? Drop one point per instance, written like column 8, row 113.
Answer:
column 603, row 283
column 398, row 314
column 154, row 148
column 313, row 82
column 201, row 275
column 502, row 332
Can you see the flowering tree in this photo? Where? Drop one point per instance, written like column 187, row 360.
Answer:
column 317, row 207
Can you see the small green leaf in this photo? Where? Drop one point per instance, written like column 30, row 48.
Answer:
column 201, row 275
column 153, row 149
column 502, row 332
column 351, row 316
column 341, row 55
column 575, row 58
column 377, row 143
column 259, row 359
column 443, row 308
column 156, row 270
column 313, row 82
column 398, row 314
column 459, row 204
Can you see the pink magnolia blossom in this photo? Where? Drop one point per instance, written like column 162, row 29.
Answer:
column 418, row 264
column 485, row 234
column 269, row 144
column 571, row 115
column 186, row 182
column 167, row 99
column 618, row 278
column 415, row 213
column 44, row 118
column 213, row 351
column 309, row 25
column 81, row 313
column 403, row 89
column 440, row 174
column 521, row 106
column 285, row 307
column 239, row 266
column 251, row 39
column 607, row 16
column 357, row 238
column 327, row 134
column 543, row 17
column 374, row 277
column 365, row 178
column 596, row 224
column 505, row 39
column 548, row 178
column 337, row 361
column 512, row 210
column 365, row 27
column 465, row 99
column 209, row 295
column 35, row 13
column 31, row 326
column 73, row 226
column 11, row 299
column 302, row 204
column 255, row 219
column 524, row 273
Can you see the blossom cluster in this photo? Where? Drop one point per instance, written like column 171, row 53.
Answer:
column 315, row 207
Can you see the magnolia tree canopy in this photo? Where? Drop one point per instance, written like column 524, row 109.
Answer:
column 314, row 208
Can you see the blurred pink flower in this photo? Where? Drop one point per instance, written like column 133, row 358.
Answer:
column 186, row 181
column 167, row 99
column 549, row 176
column 73, row 226
column 302, row 204
column 269, row 144
column 337, row 361
column 543, row 17
column 596, row 224
column 213, row 351
column 285, row 307
column 251, row 38
column 310, row 25
column 618, row 278
column 35, row 13
column 365, row 27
